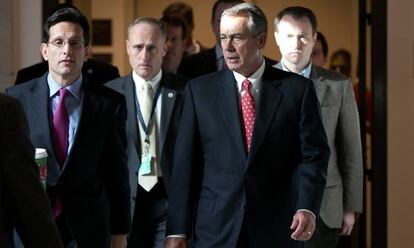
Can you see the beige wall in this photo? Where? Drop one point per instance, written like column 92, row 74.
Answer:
column 120, row 14
column 20, row 37
column 400, row 123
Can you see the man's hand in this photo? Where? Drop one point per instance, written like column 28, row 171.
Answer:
column 304, row 225
column 175, row 242
column 348, row 223
column 119, row 241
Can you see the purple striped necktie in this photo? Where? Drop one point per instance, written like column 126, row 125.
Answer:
column 60, row 138
column 60, row 128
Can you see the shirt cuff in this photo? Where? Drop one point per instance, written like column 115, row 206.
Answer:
column 308, row 211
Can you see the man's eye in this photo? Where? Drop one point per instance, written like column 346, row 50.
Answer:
column 58, row 43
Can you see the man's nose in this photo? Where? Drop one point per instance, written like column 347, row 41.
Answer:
column 227, row 44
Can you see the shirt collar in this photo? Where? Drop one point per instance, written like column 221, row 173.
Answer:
column 255, row 78
column 154, row 82
column 74, row 88
column 305, row 72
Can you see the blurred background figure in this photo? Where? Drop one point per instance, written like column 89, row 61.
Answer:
column 341, row 62
column 176, row 42
column 319, row 54
column 185, row 11
column 209, row 60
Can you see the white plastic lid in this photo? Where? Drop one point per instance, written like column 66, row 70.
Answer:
column 40, row 153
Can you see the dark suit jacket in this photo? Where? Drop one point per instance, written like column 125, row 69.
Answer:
column 285, row 170
column 172, row 87
column 203, row 63
column 23, row 202
column 96, row 72
column 93, row 185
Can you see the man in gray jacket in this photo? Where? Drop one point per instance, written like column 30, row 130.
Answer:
column 295, row 33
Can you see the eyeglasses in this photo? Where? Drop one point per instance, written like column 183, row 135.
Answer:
column 72, row 43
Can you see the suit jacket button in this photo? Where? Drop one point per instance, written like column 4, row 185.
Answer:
column 134, row 198
column 242, row 206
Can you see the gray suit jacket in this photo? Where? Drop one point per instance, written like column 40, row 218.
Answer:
column 172, row 87
column 340, row 118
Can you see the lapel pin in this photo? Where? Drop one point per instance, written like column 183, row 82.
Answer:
column 170, row 95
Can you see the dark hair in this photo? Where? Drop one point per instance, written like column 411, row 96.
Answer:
column 218, row 2
column 298, row 12
column 257, row 22
column 151, row 21
column 324, row 44
column 67, row 14
column 175, row 21
column 182, row 10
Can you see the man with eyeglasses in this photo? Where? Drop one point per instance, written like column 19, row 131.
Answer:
column 82, row 127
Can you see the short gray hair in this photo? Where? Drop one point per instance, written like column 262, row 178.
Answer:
column 257, row 22
column 150, row 21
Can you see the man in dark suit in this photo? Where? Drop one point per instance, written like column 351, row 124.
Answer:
column 96, row 72
column 23, row 202
column 251, row 151
column 146, row 47
column 82, row 127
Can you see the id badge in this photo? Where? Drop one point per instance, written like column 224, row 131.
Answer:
column 145, row 167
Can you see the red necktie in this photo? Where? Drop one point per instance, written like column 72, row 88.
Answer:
column 248, row 111
column 60, row 138
column 60, row 128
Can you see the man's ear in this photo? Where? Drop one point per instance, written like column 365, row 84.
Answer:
column 276, row 34
column 261, row 38
column 43, row 51
column 88, row 52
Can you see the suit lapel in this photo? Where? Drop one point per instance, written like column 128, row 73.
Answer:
column 131, row 123
column 39, row 103
column 229, row 108
column 270, row 99
column 317, row 79
column 168, row 101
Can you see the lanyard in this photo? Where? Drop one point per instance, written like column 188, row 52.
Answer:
column 141, row 118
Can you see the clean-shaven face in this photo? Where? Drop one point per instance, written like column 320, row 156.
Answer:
column 175, row 48
column 241, row 49
column 65, row 52
column 295, row 39
column 317, row 56
column 146, row 46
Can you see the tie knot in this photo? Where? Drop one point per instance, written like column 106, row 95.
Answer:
column 148, row 87
column 246, row 85
column 63, row 92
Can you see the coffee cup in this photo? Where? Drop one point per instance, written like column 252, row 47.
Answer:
column 41, row 161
